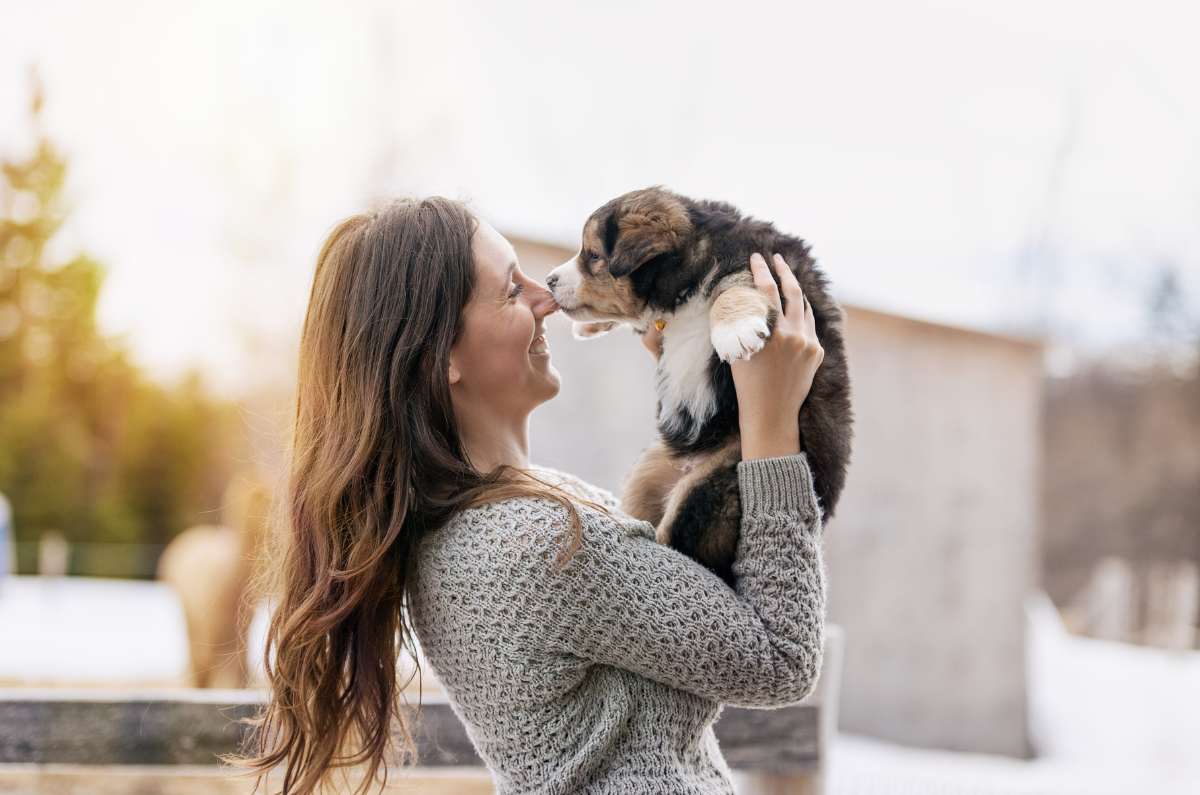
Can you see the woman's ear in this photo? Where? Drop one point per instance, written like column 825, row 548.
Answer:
column 455, row 375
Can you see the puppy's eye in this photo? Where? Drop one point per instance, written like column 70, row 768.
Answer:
column 591, row 256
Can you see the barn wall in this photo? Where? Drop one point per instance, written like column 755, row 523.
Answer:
column 934, row 546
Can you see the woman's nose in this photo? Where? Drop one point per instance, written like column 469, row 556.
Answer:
column 541, row 301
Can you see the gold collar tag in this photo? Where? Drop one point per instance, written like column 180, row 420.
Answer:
column 660, row 324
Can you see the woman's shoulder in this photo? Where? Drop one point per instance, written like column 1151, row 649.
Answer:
column 577, row 486
column 533, row 506
column 535, row 519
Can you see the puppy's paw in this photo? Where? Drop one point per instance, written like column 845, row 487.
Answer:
column 595, row 328
column 740, row 338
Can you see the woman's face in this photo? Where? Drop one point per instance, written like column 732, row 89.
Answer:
column 500, row 364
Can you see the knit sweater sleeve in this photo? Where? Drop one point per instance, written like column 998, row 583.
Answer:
column 626, row 601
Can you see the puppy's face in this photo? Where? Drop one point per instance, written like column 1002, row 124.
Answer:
column 624, row 243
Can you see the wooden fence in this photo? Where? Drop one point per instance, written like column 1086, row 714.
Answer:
column 96, row 741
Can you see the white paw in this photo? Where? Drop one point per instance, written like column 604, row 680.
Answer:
column 592, row 328
column 740, row 339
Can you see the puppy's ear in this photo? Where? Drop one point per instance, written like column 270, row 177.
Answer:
column 594, row 328
column 650, row 223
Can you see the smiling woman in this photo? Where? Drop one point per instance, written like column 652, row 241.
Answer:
column 419, row 365
column 500, row 368
column 578, row 653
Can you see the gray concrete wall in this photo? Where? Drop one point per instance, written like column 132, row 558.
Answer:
column 933, row 547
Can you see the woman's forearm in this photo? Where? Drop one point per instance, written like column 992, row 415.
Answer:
column 769, row 440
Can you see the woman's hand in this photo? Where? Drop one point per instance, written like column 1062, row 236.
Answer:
column 773, row 383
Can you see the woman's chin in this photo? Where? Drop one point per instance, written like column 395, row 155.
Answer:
column 551, row 380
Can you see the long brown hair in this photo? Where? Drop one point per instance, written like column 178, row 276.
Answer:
column 375, row 463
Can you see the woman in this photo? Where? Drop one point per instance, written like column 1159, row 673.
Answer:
column 580, row 655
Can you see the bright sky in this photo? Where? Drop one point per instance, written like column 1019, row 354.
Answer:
column 984, row 167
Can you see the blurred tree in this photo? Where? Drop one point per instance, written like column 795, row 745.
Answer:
column 88, row 445
column 1120, row 465
column 1172, row 315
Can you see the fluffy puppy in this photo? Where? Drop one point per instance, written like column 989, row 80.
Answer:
column 652, row 256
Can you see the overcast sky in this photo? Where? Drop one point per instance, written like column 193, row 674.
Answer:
column 1017, row 164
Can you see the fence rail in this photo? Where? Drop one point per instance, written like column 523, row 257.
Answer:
column 191, row 727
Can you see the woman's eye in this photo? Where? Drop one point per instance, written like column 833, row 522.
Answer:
column 516, row 290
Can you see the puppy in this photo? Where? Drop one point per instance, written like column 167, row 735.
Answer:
column 653, row 257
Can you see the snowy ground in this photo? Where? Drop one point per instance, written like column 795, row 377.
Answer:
column 81, row 630
column 1106, row 718
column 860, row 766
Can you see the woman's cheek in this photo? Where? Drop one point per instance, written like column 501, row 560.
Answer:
column 520, row 331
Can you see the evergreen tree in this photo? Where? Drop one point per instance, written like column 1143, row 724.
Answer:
column 88, row 445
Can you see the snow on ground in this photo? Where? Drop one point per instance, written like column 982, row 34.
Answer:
column 1093, row 700
column 1106, row 718
column 861, row 766
column 74, row 630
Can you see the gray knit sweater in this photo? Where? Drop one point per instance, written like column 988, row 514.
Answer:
column 607, row 676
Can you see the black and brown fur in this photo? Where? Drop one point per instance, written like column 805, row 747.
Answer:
column 646, row 255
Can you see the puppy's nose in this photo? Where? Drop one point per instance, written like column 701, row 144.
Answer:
column 552, row 280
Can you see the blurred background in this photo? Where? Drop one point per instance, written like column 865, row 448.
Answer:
column 1005, row 197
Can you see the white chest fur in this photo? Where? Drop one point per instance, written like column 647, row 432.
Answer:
column 683, row 382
